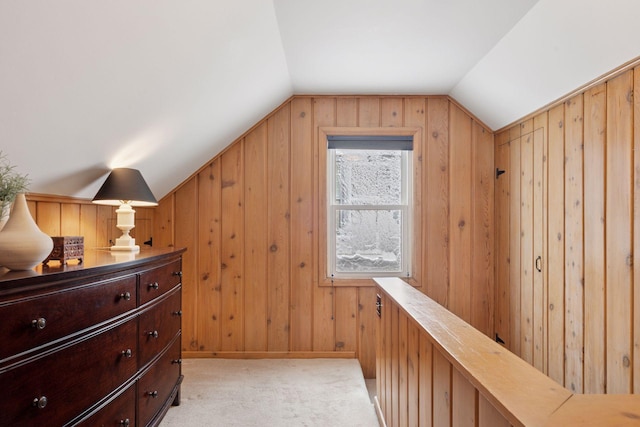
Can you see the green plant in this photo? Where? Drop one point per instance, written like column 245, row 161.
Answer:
column 11, row 182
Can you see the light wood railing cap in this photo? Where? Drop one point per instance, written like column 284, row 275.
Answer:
column 524, row 395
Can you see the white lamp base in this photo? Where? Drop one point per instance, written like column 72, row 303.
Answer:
column 125, row 223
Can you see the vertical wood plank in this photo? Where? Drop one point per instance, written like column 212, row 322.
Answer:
column 231, row 263
column 573, row 260
column 539, row 227
column 143, row 230
column 302, row 225
column 347, row 112
column 502, row 257
column 426, row 387
column 482, row 253
column 461, row 218
column 435, row 196
column 255, row 240
column 465, row 406
column 278, row 230
column 555, row 242
column 514, row 244
column 413, row 375
column 381, row 344
column 70, row 220
column 488, row 415
column 527, row 258
column 415, row 115
column 526, row 127
column 618, row 229
column 403, row 374
column 395, row 365
column 441, row 390
column 594, row 235
column 209, row 297
column 389, row 333
column 47, row 217
column 106, row 226
column 346, row 319
column 541, row 148
column 89, row 225
column 324, row 110
column 391, row 112
column 369, row 111
column 186, row 237
column 367, row 330
column 163, row 223
column 346, row 298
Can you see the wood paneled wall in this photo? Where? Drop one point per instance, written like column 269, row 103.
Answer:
column 249, row 218
column 581, row 322
column 66, row 216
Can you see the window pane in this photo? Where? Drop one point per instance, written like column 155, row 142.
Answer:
column 368, row 177
column 368, row 241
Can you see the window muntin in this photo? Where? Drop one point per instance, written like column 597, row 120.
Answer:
column 369, row 207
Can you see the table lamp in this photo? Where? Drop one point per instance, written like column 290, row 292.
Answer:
column 125, row 188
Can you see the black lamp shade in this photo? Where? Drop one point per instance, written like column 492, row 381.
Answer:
column 125, row 185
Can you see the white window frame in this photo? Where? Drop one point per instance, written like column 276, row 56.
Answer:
column 405, row 207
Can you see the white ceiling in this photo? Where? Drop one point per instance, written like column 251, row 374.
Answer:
column 165, row 85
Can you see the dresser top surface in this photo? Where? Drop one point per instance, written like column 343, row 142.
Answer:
column 94, row 262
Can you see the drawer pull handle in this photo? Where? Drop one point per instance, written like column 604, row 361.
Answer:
column 127, row 353
column 176, row 362
column 125, row 296
column 154, row 285
column 153, row 394
column 177, row 313
column 39, row 323
column 40, row 402
column 153, row 334
column 125, row 422
column 177, row 273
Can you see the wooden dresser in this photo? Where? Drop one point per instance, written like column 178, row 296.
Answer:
column 91, row 344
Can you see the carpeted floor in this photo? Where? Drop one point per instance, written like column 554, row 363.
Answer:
column 272, row 393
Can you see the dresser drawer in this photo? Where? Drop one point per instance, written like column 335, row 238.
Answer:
column 118, row 413
column 159, row 324
column 30, row 322
column 157, row 384
column 52, row 390
column 159, row 280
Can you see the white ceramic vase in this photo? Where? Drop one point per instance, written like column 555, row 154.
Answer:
column 22, row 244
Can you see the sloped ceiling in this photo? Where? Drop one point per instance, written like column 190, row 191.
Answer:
column 165, row 85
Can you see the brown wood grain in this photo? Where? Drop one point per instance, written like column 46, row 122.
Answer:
column 556, row 242
column 574, row 252
column 618, row 232
column 278, row 233
column 302, row 226
column 594, row 238
column 209, row 304
column 256, row 243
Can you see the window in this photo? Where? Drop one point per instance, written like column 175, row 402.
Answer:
column 369, row 206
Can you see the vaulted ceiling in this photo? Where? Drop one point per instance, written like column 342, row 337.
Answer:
column 165, row 85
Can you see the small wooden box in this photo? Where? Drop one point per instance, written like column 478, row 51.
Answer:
column 66, row 248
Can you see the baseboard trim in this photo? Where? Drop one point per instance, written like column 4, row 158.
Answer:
column 376, row 404
column 269, row 354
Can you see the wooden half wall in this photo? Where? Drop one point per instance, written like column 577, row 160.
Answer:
column 250, row 220
column 568, row 237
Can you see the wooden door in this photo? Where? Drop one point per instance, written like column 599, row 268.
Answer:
column 520, row 320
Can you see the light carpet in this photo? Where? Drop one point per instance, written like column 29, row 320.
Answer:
column 272, row 393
